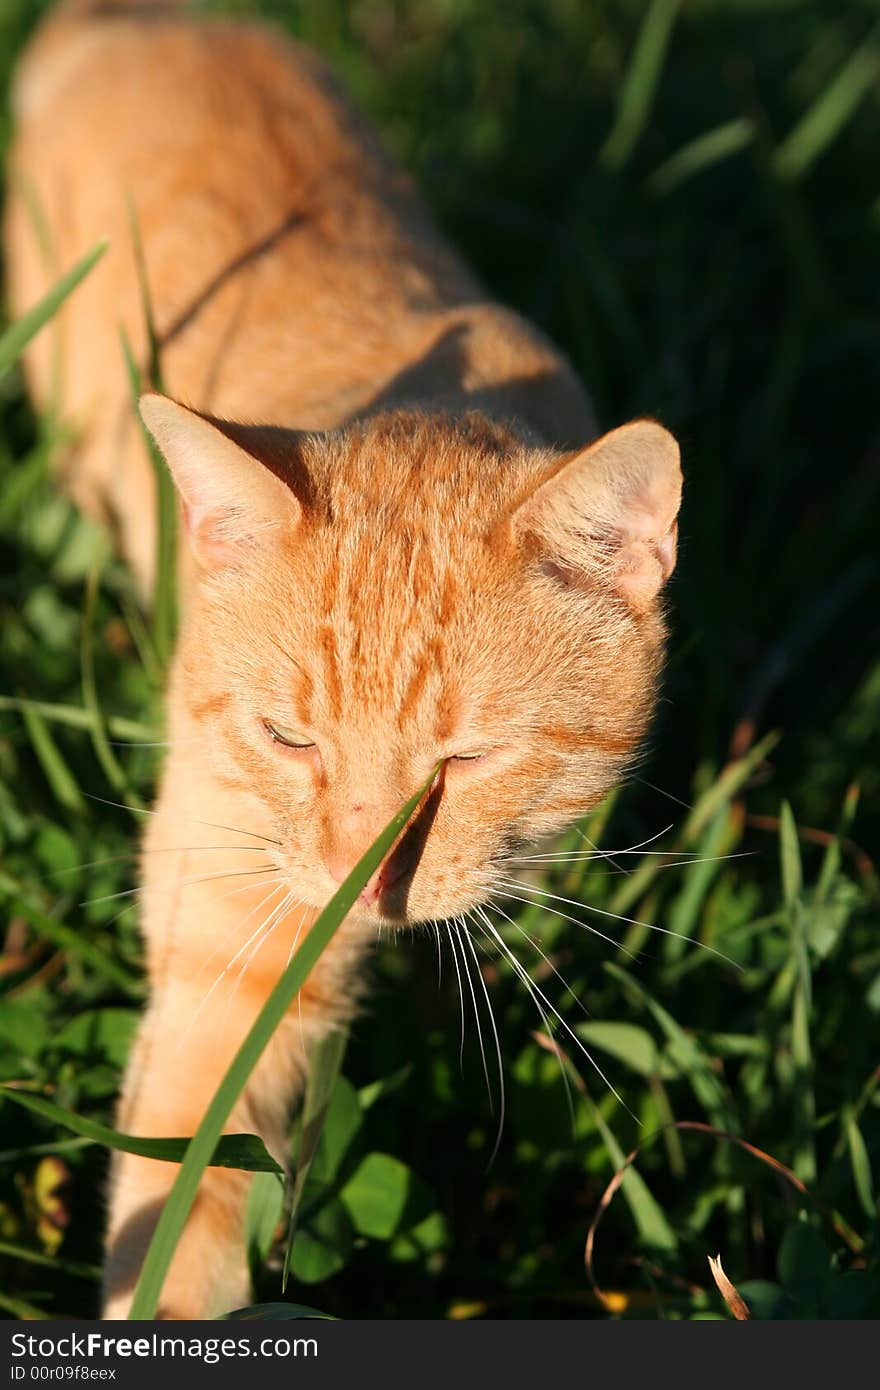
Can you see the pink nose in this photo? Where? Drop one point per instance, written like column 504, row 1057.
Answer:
column 340, row 866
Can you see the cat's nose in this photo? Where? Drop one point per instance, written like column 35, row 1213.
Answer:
column 339, row 866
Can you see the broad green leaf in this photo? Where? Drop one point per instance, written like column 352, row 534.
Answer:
column 686, row 1054
column 631, row 1045
column 323, row 1245
column 104, row 1032
column 376, row 1195
column 426, row 1237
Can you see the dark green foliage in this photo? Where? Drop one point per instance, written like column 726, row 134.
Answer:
column 700, row 229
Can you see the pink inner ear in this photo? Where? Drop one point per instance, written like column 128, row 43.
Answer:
column 643, row 566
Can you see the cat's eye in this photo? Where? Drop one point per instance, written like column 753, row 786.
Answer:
column 466, row 757
column 291, row 738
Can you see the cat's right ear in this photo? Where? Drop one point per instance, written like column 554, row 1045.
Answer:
column 232, row 479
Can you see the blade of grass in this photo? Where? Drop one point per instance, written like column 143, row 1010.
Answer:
column 803, row 1100
column 180, row 1199
column 861, row 1166
column 723, row 790
column 106, row 757
column 245, row 1151
column 686, row 1053
column 646, row 1211
column 701, row 154
column 640, row 83
column 165, row 592
column 66, row 937
column 18, row 335
column 324, row 1064
column 826, row 118
column 58, row 775
column 75, row 717
column 37, row 1257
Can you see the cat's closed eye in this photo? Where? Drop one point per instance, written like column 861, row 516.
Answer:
column 289, row 738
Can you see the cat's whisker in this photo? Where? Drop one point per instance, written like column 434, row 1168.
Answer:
column 295, row 943
column 502, row 1104
column 460, row 992
column 596, row 853
column 272, row 883
column 439, row 955
column 681, row 863
column 203, row 1003
column 143, row 743
column 151, row 811
column 557, row 1015
column 501, row 889
column 459, row 924
column 184, row 883
column 161, row 849
column 608, row 855
column 661, row 791
column 288, row 904
column 603, row 912
column 535, row 947
column 525, row 979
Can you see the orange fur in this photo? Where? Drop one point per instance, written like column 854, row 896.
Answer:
column 418, row 556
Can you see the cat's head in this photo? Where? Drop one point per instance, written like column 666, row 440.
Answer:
column 409, row 591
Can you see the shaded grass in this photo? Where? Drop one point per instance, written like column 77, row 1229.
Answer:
column 721, row 271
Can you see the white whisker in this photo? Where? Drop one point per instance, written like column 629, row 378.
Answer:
column 501, row 1093
column 574, row 1037
column 460, row 992
column 525, row 979
column 632, row 921
column 460, row 922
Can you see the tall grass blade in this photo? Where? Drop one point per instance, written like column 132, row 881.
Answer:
column 183, row 1193
column 106, row 757
column 640, row 84
column 165, row 592
column 324, row 1064
column 18, row 335
column 64, row 785
column 701, row 154
column 827, row 117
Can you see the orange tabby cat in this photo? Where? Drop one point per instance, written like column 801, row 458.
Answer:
column 416, row 555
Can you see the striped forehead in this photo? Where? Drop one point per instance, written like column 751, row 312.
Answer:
column 380, row 625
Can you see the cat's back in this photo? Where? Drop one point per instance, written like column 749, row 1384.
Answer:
column 293, row 274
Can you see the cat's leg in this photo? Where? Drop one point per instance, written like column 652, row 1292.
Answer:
column 170, row 1081
column 182, row 1054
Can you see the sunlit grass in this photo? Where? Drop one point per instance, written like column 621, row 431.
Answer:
column 689, row 208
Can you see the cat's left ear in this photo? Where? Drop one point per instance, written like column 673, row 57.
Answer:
column 610, row 512
column 238, row 483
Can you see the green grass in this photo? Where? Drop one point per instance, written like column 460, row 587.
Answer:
column 686, row 198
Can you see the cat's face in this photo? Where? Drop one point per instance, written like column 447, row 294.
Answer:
column 419, row 593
